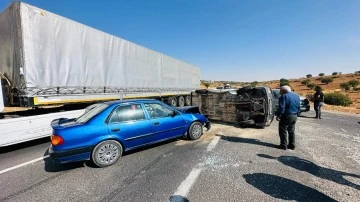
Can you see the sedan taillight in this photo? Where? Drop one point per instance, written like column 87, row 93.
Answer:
column 56, row 140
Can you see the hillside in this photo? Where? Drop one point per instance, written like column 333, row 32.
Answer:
column 305, row 91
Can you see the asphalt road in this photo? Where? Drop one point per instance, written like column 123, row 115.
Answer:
column 228, row 163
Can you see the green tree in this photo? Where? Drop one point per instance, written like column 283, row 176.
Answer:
column 308, row 76
column 354, row 83
column 335, row 73
column 327, row 80
column 305, row 82
column 284, row 82
column 310, row 85
column 321, row 74
column 206, row 85
column 345, row 86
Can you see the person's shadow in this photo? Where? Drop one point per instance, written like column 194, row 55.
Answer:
column 318, row 171
column 246, row 140
column 177, row 198
column 285, row 189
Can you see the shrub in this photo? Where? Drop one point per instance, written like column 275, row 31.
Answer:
column 335, row 73
column 305, row 82
column 321, row 74
column 327, row 80
column 308, row 76
column 254, row 83
column 345, row 86
column 357, row 89
column 354, row 83
column 284, row 82
column 337, row 99
column 357, row 73
column 206, row 85
column 310, row 85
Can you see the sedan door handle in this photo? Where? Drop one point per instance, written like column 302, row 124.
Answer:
column 156, row 123
column 115, row 129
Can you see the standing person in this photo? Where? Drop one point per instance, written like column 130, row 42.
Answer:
column 318, row 101
column 289, row 108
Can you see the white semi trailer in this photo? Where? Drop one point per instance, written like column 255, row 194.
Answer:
column 47, row 59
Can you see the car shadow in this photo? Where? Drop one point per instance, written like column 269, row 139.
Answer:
column 151, row 146
column 283, row 188
column 307, row 117
column 51, row 166
column 236, row 125
column 246, row 140
column 318, row 171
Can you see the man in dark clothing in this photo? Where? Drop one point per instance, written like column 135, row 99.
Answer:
column 318, row 101
column 289, row 108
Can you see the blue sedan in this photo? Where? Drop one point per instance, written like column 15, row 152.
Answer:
column 108, row 129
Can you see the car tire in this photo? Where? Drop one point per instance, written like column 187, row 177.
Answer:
column 195, row 131
column 106, row 153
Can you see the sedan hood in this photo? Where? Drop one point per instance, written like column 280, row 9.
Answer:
column 189, row 109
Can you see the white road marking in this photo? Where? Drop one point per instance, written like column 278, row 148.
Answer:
column 23, row 164
column 213, row 143
column 343, row 130
column 186, row 185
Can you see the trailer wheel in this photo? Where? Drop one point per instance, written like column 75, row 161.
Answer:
column 106, row 153
column 172, row 101
column 181, row 101
column 187, row 100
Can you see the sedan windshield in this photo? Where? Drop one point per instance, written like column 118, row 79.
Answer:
column 91, row 113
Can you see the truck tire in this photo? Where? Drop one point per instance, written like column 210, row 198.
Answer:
column 172, row 101
column 187, row 100
column 106, row 153
column 195, row 131
column 181, row 101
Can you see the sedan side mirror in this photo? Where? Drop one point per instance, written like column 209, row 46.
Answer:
column 173, row 113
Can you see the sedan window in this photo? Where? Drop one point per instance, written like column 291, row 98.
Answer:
column 157, row 110
column 133, row 112
column 91, row 113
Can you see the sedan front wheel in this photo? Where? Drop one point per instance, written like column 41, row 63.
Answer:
column 106, row 153
column 195, row 131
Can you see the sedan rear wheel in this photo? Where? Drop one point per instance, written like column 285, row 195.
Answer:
column 195, row 131
column 106, row 153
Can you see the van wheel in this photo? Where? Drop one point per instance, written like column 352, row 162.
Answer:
column 106, row 153
column 195, row 131
column 181, row 101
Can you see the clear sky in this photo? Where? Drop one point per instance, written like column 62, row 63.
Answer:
column 231, row 40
